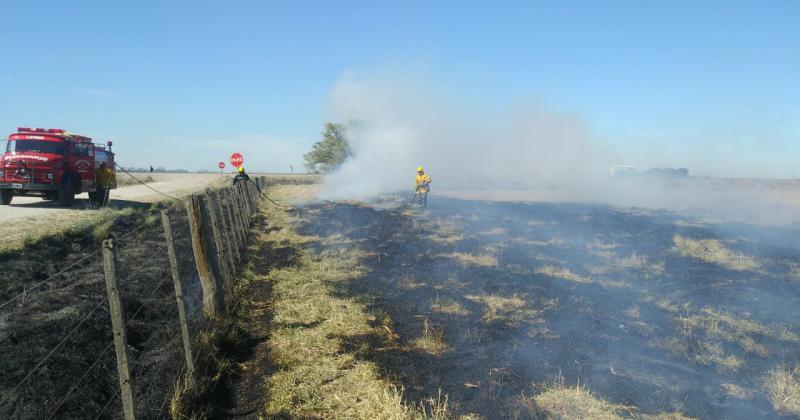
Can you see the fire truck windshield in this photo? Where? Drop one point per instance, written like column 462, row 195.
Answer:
column 39, row 146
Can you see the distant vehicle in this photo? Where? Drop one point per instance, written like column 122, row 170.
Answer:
column 667, row 172
column 622, row 170
column 55, row 165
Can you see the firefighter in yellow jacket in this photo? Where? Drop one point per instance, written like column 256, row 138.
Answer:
column 422, row 186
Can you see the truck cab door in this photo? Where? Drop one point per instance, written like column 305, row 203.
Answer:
column 82, row 163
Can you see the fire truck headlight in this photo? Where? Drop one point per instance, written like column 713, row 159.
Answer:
column 50, row 176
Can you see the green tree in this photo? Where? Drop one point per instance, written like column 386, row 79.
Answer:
column 329, row 153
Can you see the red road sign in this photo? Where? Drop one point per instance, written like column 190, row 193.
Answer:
column 237, row 159
column 221, row 165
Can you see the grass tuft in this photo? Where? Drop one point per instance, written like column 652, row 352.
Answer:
column 432, row 340
column 489, row 257
column 561, row 273
column 510, row 310
column 561, row 402
column 714, row 252
column 783, row 387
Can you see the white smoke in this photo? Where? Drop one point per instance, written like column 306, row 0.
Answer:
column 403, row 124
column 524, row 153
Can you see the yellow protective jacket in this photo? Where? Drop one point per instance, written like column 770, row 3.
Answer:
column 422, row 183
column 104, row 177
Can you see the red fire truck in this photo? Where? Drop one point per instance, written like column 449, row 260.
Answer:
column 55, row 165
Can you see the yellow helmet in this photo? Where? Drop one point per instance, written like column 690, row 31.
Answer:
column 419, row 168
column 241, row 169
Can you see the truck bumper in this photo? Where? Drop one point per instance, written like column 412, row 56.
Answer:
column 27, row 187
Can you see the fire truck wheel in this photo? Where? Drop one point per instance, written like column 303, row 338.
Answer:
column 51, row 196
column 66, row 195
column 6, row 196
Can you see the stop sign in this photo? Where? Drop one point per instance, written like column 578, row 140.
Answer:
column 221, row 165
column 237, row 159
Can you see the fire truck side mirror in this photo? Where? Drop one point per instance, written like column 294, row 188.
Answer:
column 110, row 143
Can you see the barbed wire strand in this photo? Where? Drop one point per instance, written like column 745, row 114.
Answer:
column 143, row 183
column 63, row 270
column 95, row 253
column 79, row 381
column 72, row 331
column 60, row 343
column 179, row 372
column 88, row 370
column 103, row 410
column 144, row 301
column 266, row 197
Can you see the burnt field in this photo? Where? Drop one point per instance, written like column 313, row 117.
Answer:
column 55, row 334
column 531, row 309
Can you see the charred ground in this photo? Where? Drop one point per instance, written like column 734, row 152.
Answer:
column 78, row 380
column 493, row 303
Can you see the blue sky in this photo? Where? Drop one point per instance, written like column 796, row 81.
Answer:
column 710, row 85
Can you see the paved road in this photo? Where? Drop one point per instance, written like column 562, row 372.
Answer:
column 173, row 184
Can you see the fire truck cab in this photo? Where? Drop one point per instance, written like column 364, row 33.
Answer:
column 55, row 165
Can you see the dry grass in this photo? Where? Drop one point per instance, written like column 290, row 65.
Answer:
column 194, row 398
column 552, row 242
column 449, row 307
column 794, row 272
column 744, row 332
column 511, row 310
column 445, row 232
column 124, row 180
column 711, row 353
column 432, row 340
column 487, row 258
column 714, row 252
column 783, row 387
column 667, row 416
column 633, row 261
column 410, row 282
column 561, row 273
column 561, row 402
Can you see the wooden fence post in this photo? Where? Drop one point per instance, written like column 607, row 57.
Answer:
column 248, row 188
column 213, row 300
column 248, row 200
column 209, row 210
column 245, row 204
column 118, row 326
column 227, row 235
column 256, row 196
column 177, row 282
column 236, row 209
column 235, row 234
column 256, row 193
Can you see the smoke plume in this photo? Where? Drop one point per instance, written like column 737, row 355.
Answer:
column 525, row 152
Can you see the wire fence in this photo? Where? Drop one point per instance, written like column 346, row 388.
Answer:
column 144, row 293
